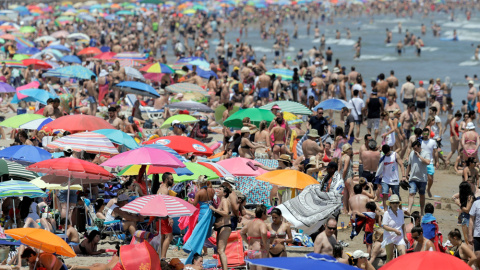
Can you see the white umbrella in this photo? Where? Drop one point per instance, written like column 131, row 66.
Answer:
column 134, row 73
column 45, row 38
column 78, row 36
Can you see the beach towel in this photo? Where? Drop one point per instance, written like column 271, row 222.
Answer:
column 311, row 209
column 256, row 192
column 189, row 222
column 299, row 145
column 201, row 232
column 102, row 91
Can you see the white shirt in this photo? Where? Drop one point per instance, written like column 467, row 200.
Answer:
column 393, row 221
column 428, row 147
column 139, row 26
column 475, row 211
column 358, row 105
column 390, row 169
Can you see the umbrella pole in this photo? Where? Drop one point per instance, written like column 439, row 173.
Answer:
column 14, row 216
column 67, row 216
column 159, row 250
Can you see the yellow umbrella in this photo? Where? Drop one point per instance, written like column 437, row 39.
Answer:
column 41, row 184
column 69, row 13
column 288, row 178
column 291, row 118
column 43, row 240
column 193, row 96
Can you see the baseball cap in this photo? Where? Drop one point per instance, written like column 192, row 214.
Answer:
column 357, row 254
column 68, row 149
column 175, row 122
column 470, row 82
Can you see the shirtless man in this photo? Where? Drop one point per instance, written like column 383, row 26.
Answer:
column 91, row 87
column 391, row 91
column 326, row 240
column 255, row 234
column 162, row 103
column 420, row 95
column 392, row 78
column 167, row 223
column 262, row 85
column 407, row 93
column 471, row 96
column 72, row 233
column 310, row 147
column 409, row 118
column 369, row 159
column 358, row 201
column 113, row 119
column 277, row 87
column 382, row 86
column 352, row 77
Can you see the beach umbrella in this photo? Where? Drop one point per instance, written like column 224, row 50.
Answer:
column 87, row 17
column 24, row 154
column 17, row 120
column 256, row 116
column 144, row 156
column 20, row 57
column 160, row 68
column 6, row 88
column 34, row 95
column 287, row 74
column 37, row 64
column 156, row 2
column 55, row 54
column 183, row 145
column 288, row 178
column 78, row 123
column 160, row 205
column 167, row 149
column 43, row 240
column 60, row 34
column 59, row 47
column 119, row 137
column 219, row 170
column 27, row 29
column 45, row 39
column 13, row 64
column 130, row 55
column 43, row 185
column 105, row 55
column 90, row 50
column 150, row 169
column 310, row 261
column 241, row 166
column 185, row 87
column 8, row 36
column 191, row 106
column 333, row 104
column 182, row 118
column 197, row 170
column 13, row 169
column 426, row 260
column 291, row 118
column 124, row 12
column 36, row 124
column 21, row 41
column 155, row 77
column 76, row 71
column 288, row 106
column 131, row 72
column 85, row 141
column 137, row 88
column 71, row 59
column 16, row 188
column 27, row 50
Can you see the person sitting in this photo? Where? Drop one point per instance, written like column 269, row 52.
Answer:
column 360, row 260
column 421, row 243
column 129, row 221
column 89, row 245
column 72, row 233
column 339, row 254
column 99, row 207
column 44, row 260
column 197, row 263
column 29, row 213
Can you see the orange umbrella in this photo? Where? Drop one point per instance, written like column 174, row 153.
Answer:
column 8, row 36
column 288, row 178
column 90, row 50
column 43, row 240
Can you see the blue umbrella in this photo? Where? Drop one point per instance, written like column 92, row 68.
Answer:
column 77, row 72
column 202, row 72
column 197, row 61
column 333, row 104
column 71, row 59
column 178, row 171
column 310, row 261
column 59, row 47
column 34, row 95
column 36, row 124
column 28, row 50
column 105, row 49
column 138, row 88
column 87, row 17
column 118, row 137
column 21, row 9
column 25, row 154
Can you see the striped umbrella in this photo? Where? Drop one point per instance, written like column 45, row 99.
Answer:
column 14, row 64
column 160, row 206
column 16, row 188
column 185, row 87
column 86, row 141
column 18, row 120
column 13, row 169
column 77, row 72
column 289, row 106
column 130, row 55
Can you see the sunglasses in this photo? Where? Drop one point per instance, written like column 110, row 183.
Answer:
column 332, row 228
column 394, row 202
column 416, row 237
column 320, row 113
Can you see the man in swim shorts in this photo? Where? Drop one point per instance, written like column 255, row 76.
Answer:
column 262, row 84
column 471, row 96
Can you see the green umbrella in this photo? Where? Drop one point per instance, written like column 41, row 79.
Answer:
column 151, row 2
column 2, row 40
column 20, row 57
column 256, row 116
column 289, row 106
column 124, row 12
column 18, row 120
column 13, row 169
column 219, row 113
column 197, row 170
column 183, row 118
column 27, row 29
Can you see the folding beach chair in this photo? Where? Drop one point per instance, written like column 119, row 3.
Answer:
column 110, row 228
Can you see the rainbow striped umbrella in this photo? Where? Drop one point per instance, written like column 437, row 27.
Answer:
column 14, row 64
column 16, row 188
column 87, row 141
column 24, row 42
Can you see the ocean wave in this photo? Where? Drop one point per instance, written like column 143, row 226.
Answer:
column 340, row 42
column 469, row 63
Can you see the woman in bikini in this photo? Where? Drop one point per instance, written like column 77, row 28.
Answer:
column 279, row 139
column 454, row 135
column 378, row 255
column 460, row 249
column 399, row 136
column 262, row 137
column 470, row 142
column 470, row 173
column 280, row 234
column 390, row 130
column 246, row 145
column 222, row 223
column 89, row 245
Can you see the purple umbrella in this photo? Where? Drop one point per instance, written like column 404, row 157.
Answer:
column 6, row 88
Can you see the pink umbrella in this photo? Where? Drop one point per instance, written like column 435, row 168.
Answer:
column 144, row 156
column 26, row 86
column 87, row 141
column 241, row 166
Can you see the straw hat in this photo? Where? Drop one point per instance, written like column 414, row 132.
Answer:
column 313, row 161
column 393, row 198
column 285, row 158
column 244, row 130
column 313, row 133
column 346, row 147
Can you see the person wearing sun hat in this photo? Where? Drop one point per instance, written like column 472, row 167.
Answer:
column 246, row 146
column 394, row 225
column 360, row 260
column 310, row 147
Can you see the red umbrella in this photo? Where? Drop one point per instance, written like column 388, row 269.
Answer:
column 138, row 256
column 105, row 55
column 426, row 260
column 90, row 50
column 37, row 64
column 182, row 145
column 145, row 68
column 79, row 123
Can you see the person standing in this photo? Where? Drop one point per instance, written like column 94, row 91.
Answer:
column 358, row 109
column 374, row 107
column 417, row 169
column 471, row 96
column 430, row 146
column 394, row 226
column 319, row 123
column 349, row 124
column 407, row 93
column 388, row 170
column 474, row 229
